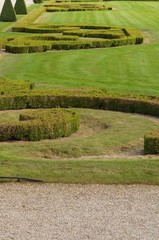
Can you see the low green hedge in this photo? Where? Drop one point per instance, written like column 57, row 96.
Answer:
column 32, row 47
column 66, row 9
column 23, row 96
column 41, row 124
column 151, row 143
column 106, row 34
column 72, row 37
column 28, row 47
column 28, row 97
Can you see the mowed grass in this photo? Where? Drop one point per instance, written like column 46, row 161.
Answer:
column 50, row 161
column 137, row 14
column 84, row 171
column 101, row 133
column 130, row 69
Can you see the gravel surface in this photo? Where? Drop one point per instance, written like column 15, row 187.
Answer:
column 78, row 212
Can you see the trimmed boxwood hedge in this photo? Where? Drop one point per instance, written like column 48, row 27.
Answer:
column 22, row 96
column 41, row 124
column 72, row 37
column 151, row 143
column 27, row 97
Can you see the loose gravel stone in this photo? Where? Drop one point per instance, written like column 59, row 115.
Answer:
column 78, row 212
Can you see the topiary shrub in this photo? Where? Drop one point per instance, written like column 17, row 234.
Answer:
column 41, row 124
column 20, row 7
column 8, row 13
column 151, row 143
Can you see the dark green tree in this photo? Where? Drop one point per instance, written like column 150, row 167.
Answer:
column 20, row 7
column 8, row 13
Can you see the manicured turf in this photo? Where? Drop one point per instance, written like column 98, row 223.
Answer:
column 127, row 69
column 131, row 69
column 141, row 15
column 96, row 171
column 124, row 69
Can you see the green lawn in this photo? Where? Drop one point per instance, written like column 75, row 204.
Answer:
column 72, row 171
column 101, row 133
column 127, row 69
column 131, row 69
column 137, row 14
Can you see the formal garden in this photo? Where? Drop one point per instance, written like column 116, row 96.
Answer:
column 79, row 94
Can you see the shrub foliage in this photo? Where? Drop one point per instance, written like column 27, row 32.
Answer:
column 64, row 7
column 151, row 143
column 41, row 124
column 20, row 7
column 71, row 37
column 22, row 95
column 8, row 13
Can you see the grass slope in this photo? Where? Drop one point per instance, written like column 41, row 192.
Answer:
column 96, row 171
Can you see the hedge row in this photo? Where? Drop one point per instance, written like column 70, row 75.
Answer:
column 106, row 34
column 32, row 46
column 84, row 98
column 53, row 9
column 34, row 27
column 108, row 37
column 41, row 124
column 76, row 7
column 23, row 96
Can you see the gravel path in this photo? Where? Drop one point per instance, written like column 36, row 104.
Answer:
column 78, row 212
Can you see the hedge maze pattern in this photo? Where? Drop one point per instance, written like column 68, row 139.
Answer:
column 44, row 37
column 22, row 95
column 59, row 122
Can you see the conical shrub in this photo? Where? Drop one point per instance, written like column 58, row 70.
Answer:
column 20, row 7
column 8, row 13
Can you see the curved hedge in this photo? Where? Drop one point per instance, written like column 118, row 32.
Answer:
column 22, row 96
column 41, row 124
column 72, row 37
